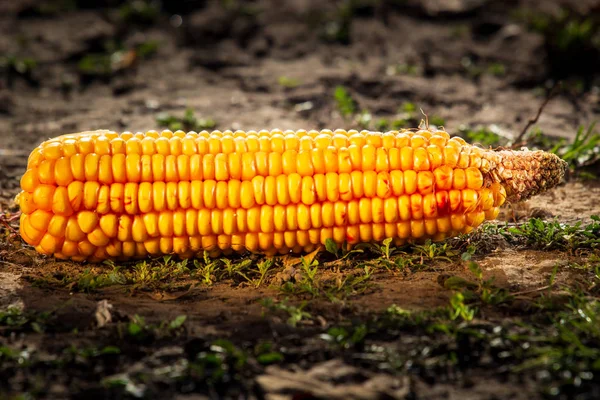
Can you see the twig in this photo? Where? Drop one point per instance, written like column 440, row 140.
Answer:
column 9, row 263
column 551, row 93
column 6, row 221
column 426, row 119
column 540, row 289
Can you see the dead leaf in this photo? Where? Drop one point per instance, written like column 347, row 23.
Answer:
column 290, row 261
column 103, row 313
column 313, row 254
column 320, row 382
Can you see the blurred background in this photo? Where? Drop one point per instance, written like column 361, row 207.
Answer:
column 480, row 68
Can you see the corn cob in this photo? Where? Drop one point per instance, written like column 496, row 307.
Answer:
column 100, row 195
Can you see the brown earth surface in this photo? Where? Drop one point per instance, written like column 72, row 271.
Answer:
column 226, row 63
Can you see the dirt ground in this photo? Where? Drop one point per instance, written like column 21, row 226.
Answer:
column 276, row 64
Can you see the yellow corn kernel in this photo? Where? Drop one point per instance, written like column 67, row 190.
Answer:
column 117, row 194
column 397, row 182
column 458, row 222
column 410, row 181
column 455, row 200
column 459, row 179
column 421, row 159
column 73, row 232
column 417, row 228
column 430, row 227
column 46, row 173
column 353, row 234
column 49, row 244
column 383, row 188
column 430, row 206
column 444, row 224
column 289, row 161
column 425, row 182
column 416, row 206
column 470, row 200
column 406, row 157
column 443, row 177
column 451, row 155
column 474, row 178
column 377, row 210
column 475, row 218
column 92, row 161
column 139, row 233
column 30, row 180
column 43, row 196
column 304, row 164
column 28, row 232
column 87, row 221
column 308, row 190
column 40, row 219
column 404, row 207
column 435, row 155
column 52, row 151
column 463, row 158
column 62, row 171
column 492, row 213
column 103, row 204
column 60, row 202
column 499, row 194
column 98, row 238
column 26, row 203
column 487, row 199
column 57, row 226
column 124, row 228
